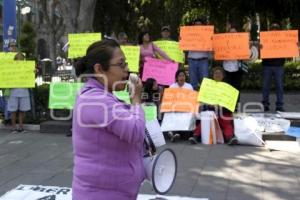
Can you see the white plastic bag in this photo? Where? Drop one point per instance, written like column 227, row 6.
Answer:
column 210, row 129
column 246, row 131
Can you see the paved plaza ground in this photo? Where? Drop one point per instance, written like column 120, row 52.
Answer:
column 215, row 172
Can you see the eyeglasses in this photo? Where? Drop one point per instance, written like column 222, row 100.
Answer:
column 121, row 65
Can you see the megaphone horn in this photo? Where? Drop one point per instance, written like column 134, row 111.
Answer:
column 161, row 170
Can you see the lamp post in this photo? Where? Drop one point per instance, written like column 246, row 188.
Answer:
column 23, row 8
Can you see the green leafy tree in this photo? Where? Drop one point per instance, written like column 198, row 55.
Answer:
column 28, row 41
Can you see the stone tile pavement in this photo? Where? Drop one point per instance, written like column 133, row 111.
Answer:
column 217, row 172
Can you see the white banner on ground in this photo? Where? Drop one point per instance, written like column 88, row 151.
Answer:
column 38, row 192
column 153, row 197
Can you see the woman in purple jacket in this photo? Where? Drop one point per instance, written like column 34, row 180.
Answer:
column 108, row 134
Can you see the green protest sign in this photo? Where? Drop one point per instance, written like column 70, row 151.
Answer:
column 132, row 54
column 79, row 43
column 63, row 95
column 17, row 74
column 172, row 50
column 150, row 112
column 122, row 95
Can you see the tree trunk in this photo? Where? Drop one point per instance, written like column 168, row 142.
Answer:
column 86, row 15
column 70, row 11
column 52, row 47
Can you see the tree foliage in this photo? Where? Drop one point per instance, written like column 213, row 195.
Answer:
column 27, row 40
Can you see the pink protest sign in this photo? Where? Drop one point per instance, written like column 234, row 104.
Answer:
column 161, row 70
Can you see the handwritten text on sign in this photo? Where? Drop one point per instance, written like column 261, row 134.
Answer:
column 17, row 74
column 231, row 46
column 172, row 50
column 79, row 43
column 63, row 95
column 179, row 100
column 196, row 38
column 132, row 54
column 279, row 44
column 218, row 93
column 162, row 71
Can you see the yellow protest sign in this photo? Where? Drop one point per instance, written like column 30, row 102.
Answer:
column 7, row 56
column 172, row 50
column 132, row 54
column 218, row 93
column 17, row 74
column 79, row 42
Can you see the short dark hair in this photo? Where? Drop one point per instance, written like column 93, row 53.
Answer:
column 99, row 52
column 218, row 68
column 178, row 72
column 141, row 35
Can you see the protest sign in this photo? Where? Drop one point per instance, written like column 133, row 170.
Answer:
column 122, row 95
column 179, row 100
column 162, row 71
column 79, row 43
column 231, row 46
column 196, row 38
column 218, row 93
column 172, row 50
column 7, row 55
column 63, row 95
column 132, row 54
column 279, row 44
column 17, row 74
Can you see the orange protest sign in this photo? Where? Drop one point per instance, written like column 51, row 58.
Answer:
column 279, row 44
column 231, row 46
column 196, row 38
column 179, row 100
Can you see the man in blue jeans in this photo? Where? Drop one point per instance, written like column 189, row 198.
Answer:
column 273, row 67
column 198, row 63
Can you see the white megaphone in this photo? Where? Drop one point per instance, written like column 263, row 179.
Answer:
column 161, row 170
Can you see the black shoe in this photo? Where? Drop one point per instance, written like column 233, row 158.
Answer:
column 69, row 134
column 232, row 141
column 266, row 109
column 21, row 130
column 193, row 140
column 280, row 109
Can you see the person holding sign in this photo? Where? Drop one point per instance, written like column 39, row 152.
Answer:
column 18, row 102
column 123, row 38
column 233, row 73
column 148, row 49
column 108, row 134
column 198, row 62
column 273, row 67
column 224, row 115
column 165, row 33
column 180, row 78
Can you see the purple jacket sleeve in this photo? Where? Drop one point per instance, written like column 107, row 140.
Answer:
column 160, row 52
column 128, row 123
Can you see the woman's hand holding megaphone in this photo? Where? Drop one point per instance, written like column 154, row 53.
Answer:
column 135, row 88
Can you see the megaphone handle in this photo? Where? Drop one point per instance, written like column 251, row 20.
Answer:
column 150, row 147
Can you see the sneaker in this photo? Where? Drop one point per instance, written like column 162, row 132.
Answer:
column 193, row 140
column 170, row 134
column 14, row 131
column 21, row 130
column 175, row 137
column 233, row 141
column 280, row 109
